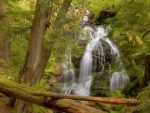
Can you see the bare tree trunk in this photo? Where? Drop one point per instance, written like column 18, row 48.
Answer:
column 5, row 48
column 4, row 38
column 146, row 78
column 57, row 25
column 37, row 57
column 147, row 72
column 45, row 54
column 29, row 71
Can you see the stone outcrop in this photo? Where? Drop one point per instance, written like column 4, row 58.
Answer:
column 102, row 57
column 105, row 14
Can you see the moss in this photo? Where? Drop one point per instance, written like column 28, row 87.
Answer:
column 116, row 93
column 100, row 85
column 59, row 103
column 41, row 85
column 38, row 109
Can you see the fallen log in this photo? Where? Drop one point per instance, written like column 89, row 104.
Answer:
column 108, row 100
column 56, row 101
column 27, row 93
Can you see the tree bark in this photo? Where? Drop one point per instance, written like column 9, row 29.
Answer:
column 23, row 92
column 58, row 102
column 32, row 62
column 37, row 57
column 88, row 98
column 29, row 71
column 147, row 71
column 56, row 26
column 53, row 102
column 4, row 37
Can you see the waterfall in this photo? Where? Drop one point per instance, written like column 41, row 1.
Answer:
column 68, row 74
column 93, row 60
column 118, row 81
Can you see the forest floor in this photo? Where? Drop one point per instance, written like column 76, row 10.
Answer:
column 3, row 104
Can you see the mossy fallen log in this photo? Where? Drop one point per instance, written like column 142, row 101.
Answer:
column 56, row 101
column 28, row 94
column 108, row 100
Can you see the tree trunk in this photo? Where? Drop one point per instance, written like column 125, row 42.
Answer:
column 4, row 38
column 5, row 48
column 29, row 72
column 88, row 98
column 59, row 102
column 147, row 71
column 32, row 63
column 37, row 58
column 57, row 25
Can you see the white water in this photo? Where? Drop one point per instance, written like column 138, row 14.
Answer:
column 85, row 76
column 68, row 74
column 118, row 81
column 82, row 85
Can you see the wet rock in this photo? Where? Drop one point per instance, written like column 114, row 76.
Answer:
column 105, row 14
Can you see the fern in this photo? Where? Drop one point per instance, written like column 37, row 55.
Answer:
column 143, row 97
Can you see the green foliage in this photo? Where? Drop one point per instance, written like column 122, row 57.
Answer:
column 20, row 18
column 65, row 39
column 19, row 30
column 112, row 111
column 41, row 85
column 77, row 50
column 143, row 97
column 78, row 2
column 38, row 109
column 130, row 31
column 11, row 71
column 96, row 6
column 50, row 69
column 116, row 93
column 18, row 50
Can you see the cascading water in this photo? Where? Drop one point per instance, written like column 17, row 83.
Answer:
column 85, row 76
column 118, row 80
column 68, row 74
column 94, row 50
